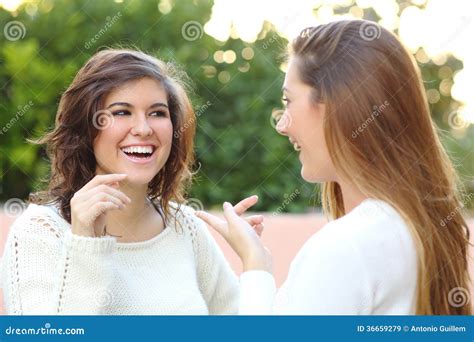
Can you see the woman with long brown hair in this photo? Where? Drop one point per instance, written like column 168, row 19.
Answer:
column 396, row 242
column 106, row 238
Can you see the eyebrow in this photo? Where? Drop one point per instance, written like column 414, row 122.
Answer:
column 126, row 104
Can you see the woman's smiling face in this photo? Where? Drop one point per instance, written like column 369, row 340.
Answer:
column 303, row 123
column 138, row 136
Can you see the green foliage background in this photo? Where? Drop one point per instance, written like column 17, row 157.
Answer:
column 238, row 150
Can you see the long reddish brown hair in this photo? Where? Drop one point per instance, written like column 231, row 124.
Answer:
column 356, row 68
column 69, row 145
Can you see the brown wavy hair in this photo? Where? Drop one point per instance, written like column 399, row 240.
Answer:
column 352, row 66
column 69, row 145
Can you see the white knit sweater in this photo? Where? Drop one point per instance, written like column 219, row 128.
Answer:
column 49, row 270
column 364, row 263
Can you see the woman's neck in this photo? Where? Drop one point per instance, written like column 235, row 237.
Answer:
column 138, row 221
column 351, row 196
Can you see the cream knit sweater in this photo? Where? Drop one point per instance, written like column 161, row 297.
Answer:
column 48, row 270
column 364, row 263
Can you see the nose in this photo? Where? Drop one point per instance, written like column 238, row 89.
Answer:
column 141, row 126
column 283, row 123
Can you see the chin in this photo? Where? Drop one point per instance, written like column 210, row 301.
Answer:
column 137, row 179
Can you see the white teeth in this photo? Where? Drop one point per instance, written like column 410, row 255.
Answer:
column 296, row 147
column 138, row 149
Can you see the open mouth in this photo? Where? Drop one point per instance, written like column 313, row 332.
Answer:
column 296, row 146
column 139, row 153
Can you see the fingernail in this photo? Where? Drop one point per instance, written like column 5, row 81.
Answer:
column 255, row 196
column 226, row 205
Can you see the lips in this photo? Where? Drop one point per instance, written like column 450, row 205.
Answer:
column 139, row 153
column 296, row 146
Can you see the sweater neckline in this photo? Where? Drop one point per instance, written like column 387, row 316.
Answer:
column 145, row 243
column 125, row 245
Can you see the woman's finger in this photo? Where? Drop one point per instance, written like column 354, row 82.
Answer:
column 104, row 197
column 259, row 229
column 114, row 191
column 230, row 214
column 245, row 204
column 254, row 219
column 104, row 179
column 216, row 223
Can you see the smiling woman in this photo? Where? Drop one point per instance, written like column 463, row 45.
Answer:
column 105, row 237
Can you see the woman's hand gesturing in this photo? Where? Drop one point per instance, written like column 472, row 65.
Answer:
column 243, row 235
column 90, row 204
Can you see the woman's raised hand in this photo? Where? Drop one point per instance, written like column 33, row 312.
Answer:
column 242, row 234
column 90, row 204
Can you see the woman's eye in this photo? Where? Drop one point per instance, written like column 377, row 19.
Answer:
column 159, row 113
column 121, row 112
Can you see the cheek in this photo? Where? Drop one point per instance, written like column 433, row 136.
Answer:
column 164, row 131
column 109, row 138
column 316, row 161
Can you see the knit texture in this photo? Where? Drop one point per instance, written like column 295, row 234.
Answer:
column 364, row 263
column 49, row 270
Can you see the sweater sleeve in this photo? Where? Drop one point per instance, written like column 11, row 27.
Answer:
column 327, row 277
column 217, row 281
column 49, row 270
column 257, row 292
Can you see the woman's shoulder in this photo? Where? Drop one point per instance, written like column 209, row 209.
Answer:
column 369, row 219
column 40, row 219
column 187, row 222
column 372, row 227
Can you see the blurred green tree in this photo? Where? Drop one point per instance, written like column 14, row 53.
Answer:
column 236, row 88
